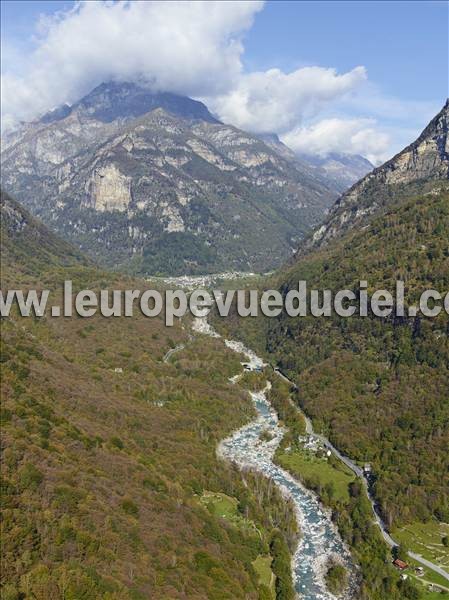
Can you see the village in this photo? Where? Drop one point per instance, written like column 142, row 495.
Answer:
column 317, row 448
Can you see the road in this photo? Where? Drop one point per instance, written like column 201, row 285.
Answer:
column 429, row 564
column 361, row 475
column 173, row 351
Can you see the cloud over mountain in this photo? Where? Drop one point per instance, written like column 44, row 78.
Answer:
column 352, row 136
column 194, row 49
column 276, row 101
column 191, row 48
column 175, row 46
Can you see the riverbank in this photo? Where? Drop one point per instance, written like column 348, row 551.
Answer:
column 253, row 447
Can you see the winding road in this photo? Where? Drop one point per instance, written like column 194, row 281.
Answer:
column 361, row 475
column 342, row 457
column 320, row 543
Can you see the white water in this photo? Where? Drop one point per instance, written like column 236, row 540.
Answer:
column 320, row 540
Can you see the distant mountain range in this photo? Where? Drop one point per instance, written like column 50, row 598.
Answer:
column 154, row 183
column 340, row 170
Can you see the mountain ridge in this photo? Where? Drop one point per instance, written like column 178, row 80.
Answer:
column 415, row 168
column 28, row 246
column 124, row 189
column 342, row 170
column 109, row 101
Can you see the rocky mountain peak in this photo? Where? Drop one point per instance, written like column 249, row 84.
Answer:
column 151, row 181
column 127, row 100
column 414, row 170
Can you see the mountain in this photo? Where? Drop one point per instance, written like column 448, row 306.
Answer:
column 339, row 170
column 111, row 487
column 112, row 101
column 28, row 247
column 272, row 140
column 417, row 168
column 378, row 388
column 153, row 183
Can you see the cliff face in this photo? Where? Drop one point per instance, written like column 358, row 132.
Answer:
column 417, row 168
column 154, row 183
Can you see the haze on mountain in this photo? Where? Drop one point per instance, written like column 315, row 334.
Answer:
column 154, row 183
column 339, row 169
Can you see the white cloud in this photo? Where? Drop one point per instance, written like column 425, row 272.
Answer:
column 351, row 136
column 273, row 101
column 193, row 48
column 389, row 108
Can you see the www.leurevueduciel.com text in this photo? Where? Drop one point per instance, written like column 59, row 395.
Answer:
column 174, row 304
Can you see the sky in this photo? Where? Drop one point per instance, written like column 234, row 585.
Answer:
column 356, row 77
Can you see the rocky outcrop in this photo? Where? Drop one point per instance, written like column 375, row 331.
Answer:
column 417, row 168
column 130, row 176
column 110, row 189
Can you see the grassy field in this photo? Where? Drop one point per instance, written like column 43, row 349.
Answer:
column 221, row 504
column 262, row 566
column 426, row 539
column 430, row 576
column 431, row 596
column 307, row 467
column 226, row 507
column 424, row 582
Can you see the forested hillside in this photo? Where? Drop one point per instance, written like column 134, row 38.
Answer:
column 29, row 249
column 109, row 476
column 378, row 387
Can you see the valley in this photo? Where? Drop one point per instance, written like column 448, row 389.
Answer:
column 107, row 449
column 374, row 391
column 224, row 269
column 253, row 448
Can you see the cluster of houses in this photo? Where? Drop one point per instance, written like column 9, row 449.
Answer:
column 401, row 565
column 312, row 443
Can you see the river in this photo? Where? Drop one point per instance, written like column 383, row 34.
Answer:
column 246, row 449
column 320, row 541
